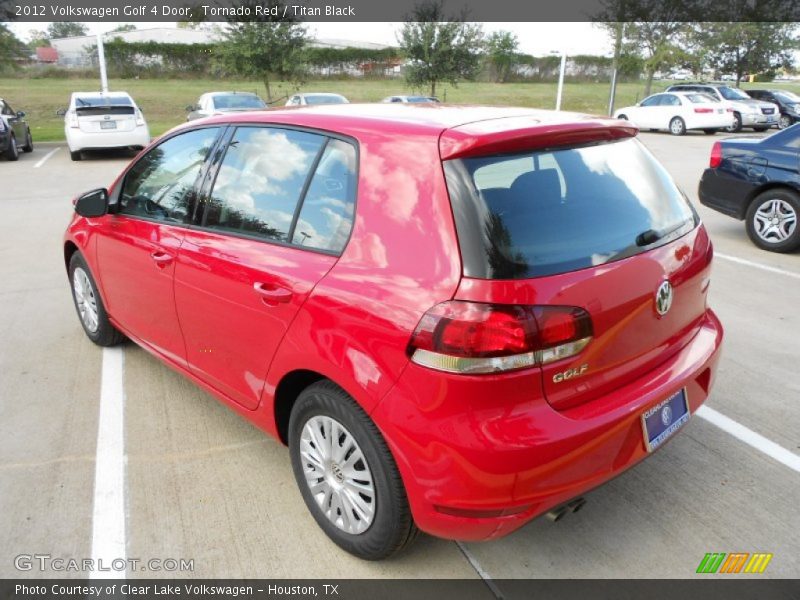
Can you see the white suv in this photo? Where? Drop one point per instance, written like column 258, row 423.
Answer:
column 103, row 120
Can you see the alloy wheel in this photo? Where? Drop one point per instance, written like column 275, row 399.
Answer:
column 775, row 221
column 85, row 299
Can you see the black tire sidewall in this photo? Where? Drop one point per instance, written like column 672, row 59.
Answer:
column 12, row 153
column 793, row 243
column 106, row 334
column 28, row 142
column 737, row 124
column 390, row 526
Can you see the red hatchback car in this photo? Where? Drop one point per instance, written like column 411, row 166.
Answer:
column 457, row 318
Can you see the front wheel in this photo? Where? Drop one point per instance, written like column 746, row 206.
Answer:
column 677, row 126
column 89, row 305
column 623, row 117
column 785, row 121
column 771, row 221
column 346, row 474
column 76, row 156
column 12, row 152
column 737, row 123
column 28, row 147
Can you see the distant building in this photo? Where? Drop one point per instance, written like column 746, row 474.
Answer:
column 47, row 55
column 77, row 51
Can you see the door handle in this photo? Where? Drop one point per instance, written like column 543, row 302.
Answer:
column 162, row 259
column 272, row 294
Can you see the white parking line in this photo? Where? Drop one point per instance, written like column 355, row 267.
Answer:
column 756, row 265
column 45, row 157
column 487, row 579
column 750, row 437
column 108, row 519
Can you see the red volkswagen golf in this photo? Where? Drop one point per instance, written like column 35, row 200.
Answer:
column 457, row 318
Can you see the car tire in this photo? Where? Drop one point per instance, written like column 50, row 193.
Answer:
column 710, row 131
column 389, row 527
column 89, row 306
column 737, row 124
column 12, row 152
column 771, row 220
column 785, row 121
column 28, row 147
column 623, row 117
column 76, row 156
column 677, row 126
column 760, row 129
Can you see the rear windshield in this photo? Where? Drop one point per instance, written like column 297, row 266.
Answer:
column 236, row 101
column 92, row 105
column 701, row 98
column 542, row 213
column 325, row 99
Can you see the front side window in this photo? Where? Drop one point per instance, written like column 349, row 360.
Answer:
column 161, row 184
column 730, row 93
column 652, row 101
column 260, row 181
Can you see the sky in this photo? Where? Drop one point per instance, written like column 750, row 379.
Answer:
column 537, row 39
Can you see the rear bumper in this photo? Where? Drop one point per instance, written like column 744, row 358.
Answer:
column 725, row 193
column 79, row 140
column 482, row 456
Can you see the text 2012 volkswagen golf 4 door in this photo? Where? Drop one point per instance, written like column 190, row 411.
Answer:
column 456, row 318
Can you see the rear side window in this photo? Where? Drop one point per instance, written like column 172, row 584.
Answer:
column 543, row 213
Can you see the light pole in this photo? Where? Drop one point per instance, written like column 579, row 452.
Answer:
column 101, row 58
column 560, row 77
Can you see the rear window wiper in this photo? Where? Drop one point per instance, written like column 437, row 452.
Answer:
column 651, row 236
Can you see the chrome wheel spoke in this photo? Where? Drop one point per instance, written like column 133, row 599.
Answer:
column 337, row 474
column 85, row 299
column 775, row 221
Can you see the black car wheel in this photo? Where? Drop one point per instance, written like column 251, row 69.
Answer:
column 785, row 121
column 760, row 129
column 346, row 474
column 737, row 123
column 89, row 305
column 677, row 126
column 709, row 131
column 28, row 147
column 772, row 220
column 12, row 152
column 76, row 156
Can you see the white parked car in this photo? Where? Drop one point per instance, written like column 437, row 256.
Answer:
column 221, row 103
column 104, row 120
column 409, row 99
column 316, row 98
column 677, row 112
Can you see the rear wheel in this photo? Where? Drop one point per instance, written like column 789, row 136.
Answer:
column 76, row 156
column 772, row 221
column 677, row 126
column 12, row 152
column 346, row 474
column 28, row 147
column 737, row 123
column 89, row 305
column 709, row 131
column 760, row 129
column 785, row 121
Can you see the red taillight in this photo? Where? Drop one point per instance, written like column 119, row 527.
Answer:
column 716, row 155
column 704, row 110
column 471, row 337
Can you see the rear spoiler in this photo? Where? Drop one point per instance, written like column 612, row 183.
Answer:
column 520, row 134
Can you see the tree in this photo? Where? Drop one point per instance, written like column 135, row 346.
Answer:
column 501, row 52
column 439, row 48
column 267, row 50
column 752, row 47
column 65, row 29
column 11, row 49
column 39, row 39
column 123, row 28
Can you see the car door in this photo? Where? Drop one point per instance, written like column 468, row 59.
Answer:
column 669, row 106
column 15, row 123
column 242, row 276
column 138, row 243
column 645, row 115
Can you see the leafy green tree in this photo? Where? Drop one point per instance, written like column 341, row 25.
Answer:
column 66, row 29
column 438, row 48
column 501, row 53
column 268, row 50
column 748, row 48
column 39, row 39
column 11, row 49
column 123, row 28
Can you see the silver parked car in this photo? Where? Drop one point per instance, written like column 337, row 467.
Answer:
column 747, row 111
column 219, row 103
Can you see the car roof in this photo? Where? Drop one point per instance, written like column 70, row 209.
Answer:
column 469, row 126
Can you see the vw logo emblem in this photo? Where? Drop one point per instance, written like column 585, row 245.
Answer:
column 666, row 415
column 663, row 298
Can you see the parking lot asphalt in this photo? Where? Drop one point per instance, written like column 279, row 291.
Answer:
column 203, row 484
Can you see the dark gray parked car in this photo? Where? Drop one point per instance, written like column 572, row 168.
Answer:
column 15, row 134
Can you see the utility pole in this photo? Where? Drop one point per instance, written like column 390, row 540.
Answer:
column 619, row 36
column 101, row 58
column 561, row 79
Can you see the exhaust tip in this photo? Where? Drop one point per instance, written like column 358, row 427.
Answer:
column 557, row 514
column 576, row 504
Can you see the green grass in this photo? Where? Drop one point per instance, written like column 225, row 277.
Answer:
column 164, row 101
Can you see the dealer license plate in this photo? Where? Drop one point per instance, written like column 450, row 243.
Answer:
column 108, row 124
column 661, row 421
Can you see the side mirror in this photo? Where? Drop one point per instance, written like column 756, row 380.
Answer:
column 20, row 114
column 92, row 204
column 61, row 112
column 192, row 108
